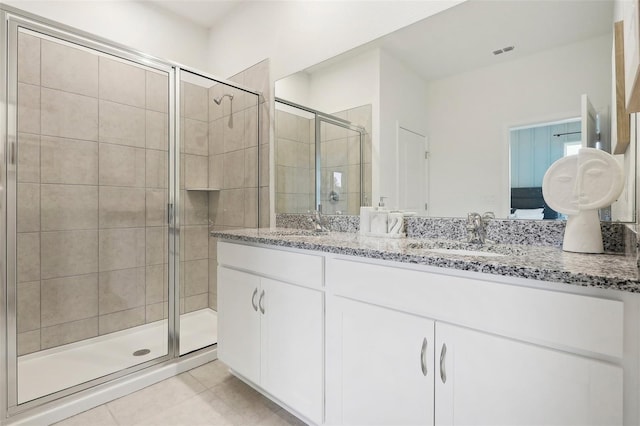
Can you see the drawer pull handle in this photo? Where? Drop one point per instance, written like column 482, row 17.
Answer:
column 423, row 357
column 443, row 372
column 260, row 302
column 253, row 299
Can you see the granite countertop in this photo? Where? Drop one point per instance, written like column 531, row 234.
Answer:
column 546, row 263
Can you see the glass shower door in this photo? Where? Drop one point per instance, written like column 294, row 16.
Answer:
column 218, row 189
column 90, row 189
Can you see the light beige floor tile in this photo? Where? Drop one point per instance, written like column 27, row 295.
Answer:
column 155, row 400
column 99, row 416
column 212, row 374
column 194, row 411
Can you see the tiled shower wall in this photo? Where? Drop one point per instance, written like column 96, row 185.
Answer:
column 92, row 191
column 340, row 152
column 238, row 159
column 295, row 163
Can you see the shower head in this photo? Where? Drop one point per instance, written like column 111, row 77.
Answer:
column 219, row 99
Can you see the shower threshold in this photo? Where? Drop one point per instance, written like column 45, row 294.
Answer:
column 51, row 370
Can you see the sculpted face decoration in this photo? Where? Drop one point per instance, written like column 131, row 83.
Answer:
column 579, row 185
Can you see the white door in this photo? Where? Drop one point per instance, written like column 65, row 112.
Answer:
column 292, row 346
column 386, row 367
column 239, row 322
column 589, row 127
column 488, row 380
column 413, row 185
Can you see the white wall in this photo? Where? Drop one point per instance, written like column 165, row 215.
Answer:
column 298, row 34
column 402, row 103
column 139, row 25
column 468, row 117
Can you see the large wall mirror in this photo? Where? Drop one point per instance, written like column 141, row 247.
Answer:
column 470, row 106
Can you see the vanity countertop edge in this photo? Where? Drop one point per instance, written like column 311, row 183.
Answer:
column 543, row 263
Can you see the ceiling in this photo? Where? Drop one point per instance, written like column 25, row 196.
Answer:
column 205, row 13
column 463, row 37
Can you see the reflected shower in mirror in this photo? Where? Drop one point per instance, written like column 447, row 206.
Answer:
column 440, row 78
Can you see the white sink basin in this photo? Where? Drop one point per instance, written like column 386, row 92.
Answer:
column 463, row 252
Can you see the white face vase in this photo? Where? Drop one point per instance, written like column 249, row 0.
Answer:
column 590, row 180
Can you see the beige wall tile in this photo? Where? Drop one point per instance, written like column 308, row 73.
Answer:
column 196, row 239
column 234, row 170
column 28, row 342
column 264, row 207
column 28, row 207
column 234, row 207
column 216, row 171
column 156, row 284
column 156, row 207
column 69, row 115
column 264, row 165
column 28, row 108
column 155, row 312
column 156, row 245
column 69, row 332
column 67, row 253
column 196, row 102
column 69, row 69
column 28, row 58
column 28, row 301
column 216, row 137
column 195, row 303
column 121, row 290
column 257, row 78
column 251, row 167
column 69, row 299
column 28, row 158
column 196, row 208
column 122, row 248
column 122, row 82
column 67, row 207
column 121, row 320
column 122, row 165
column 196, row 137
column 28, row 256
column 122, row 124
column 353, row 150
column 69, row 161
column 251, row 127
column 196, row 171
column 157, row 96
column 156, row 169
column 213, row 284
column 157, row 130
column 196, row 277
column 216, row 210
column 233, row 132
column 251, row 207
column 122, row 207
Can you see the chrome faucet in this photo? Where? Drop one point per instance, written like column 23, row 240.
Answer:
column 477, row 227
column 318, row 221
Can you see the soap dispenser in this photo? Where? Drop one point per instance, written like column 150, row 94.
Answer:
column 380, row 219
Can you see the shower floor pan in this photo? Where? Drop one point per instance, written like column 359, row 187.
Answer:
column 45, row 372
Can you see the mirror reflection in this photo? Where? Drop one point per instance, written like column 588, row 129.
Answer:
column 451, row 98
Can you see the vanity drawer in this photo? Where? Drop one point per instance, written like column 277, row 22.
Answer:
column 560, row 320
column 296, row 268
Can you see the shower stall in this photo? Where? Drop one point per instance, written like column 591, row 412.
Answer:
column 115, row 167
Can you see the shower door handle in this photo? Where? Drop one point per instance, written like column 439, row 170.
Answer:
column 261, row 302
column 253, row 300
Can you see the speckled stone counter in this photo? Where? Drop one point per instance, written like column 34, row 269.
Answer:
column 546, row 263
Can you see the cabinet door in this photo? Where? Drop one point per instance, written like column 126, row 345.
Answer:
column 381, row 367
column 292, row 346
column 485, row 379
column 239, row 322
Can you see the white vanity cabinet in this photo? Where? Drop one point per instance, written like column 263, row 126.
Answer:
column 514, row 355
column 271, row 322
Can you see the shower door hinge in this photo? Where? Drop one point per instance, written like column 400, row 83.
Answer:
column 12, row 153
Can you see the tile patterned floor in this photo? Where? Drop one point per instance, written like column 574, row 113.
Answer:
column 207, row 395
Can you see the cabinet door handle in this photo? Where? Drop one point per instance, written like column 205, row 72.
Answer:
column 260, row 302
column 443, row 372
column 253, row 299
column 423, row 356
